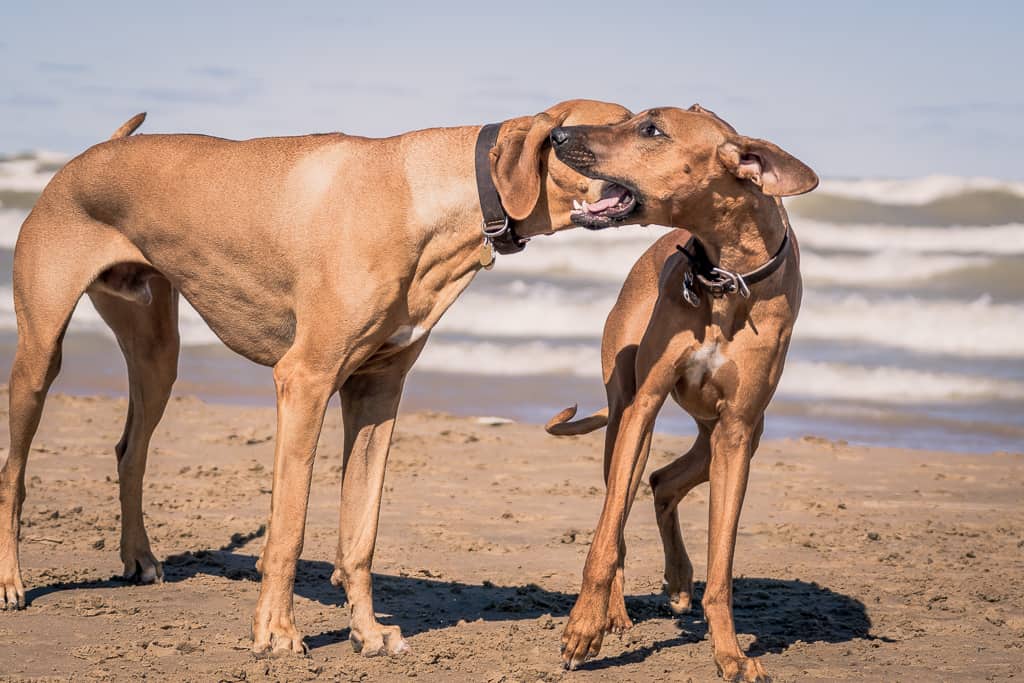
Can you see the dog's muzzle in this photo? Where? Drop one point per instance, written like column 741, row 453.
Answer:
column 571, row 149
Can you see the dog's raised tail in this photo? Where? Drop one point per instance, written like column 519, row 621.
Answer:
column 129, row 126
column 560, row 425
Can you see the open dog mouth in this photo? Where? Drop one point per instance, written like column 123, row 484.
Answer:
column 615, row 205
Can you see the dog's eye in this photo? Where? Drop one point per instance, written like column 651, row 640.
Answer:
column 649, row 130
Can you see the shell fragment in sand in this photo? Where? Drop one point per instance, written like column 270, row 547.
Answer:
column 492, row 421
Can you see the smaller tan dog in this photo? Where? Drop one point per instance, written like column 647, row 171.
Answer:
column 708, row 323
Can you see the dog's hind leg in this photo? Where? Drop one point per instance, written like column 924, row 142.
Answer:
column 670, row 485
column 51, row 270
column 36, row 364
column 148, row 337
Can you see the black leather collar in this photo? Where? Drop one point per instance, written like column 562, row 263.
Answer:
column 496, row 226
column 706, row 276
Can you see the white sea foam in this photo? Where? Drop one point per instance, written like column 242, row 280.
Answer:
column 915, row 191
column 882, row 270
column 10, row 224
column 26, row 175
column 946, row 326
column 536, row 309
column 980, row 328
column 891, row 384
column 606, row 255
column 491, row 358
column 999, row 239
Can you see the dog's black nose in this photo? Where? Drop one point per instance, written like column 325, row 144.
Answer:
column 559, row 136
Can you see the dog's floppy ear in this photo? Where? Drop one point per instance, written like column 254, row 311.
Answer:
column 516, row 163
column 777, row 172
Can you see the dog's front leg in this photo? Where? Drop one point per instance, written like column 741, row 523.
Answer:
column 618, row 617
column 369, row 403
column 733, row 441
column 588, row 620
column 302, row 395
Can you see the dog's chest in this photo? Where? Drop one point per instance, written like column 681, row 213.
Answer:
column 402, row 337
column 700, row 389
column 406, row 335
column 703, row 362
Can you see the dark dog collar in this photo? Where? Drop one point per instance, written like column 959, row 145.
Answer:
column 718, row 282
column 498, row 230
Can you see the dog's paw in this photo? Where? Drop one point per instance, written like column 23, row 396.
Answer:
column 680, row 599
column 742, row 670
column 338, row 578
column 276, row 635
column 583, row 635
column 12, row 591
column 142, row 567
column 376, row 640
column 618, row 618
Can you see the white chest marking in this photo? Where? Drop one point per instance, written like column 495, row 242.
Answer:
column 406, row 335
column 704, row 361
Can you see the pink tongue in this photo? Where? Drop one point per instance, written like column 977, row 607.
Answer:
column 608, row 202
column 602, row 204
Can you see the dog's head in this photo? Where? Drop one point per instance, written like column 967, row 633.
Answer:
column 537, row 189
column 661, row 165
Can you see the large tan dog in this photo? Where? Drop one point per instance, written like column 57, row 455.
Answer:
column 713, row 339
column 328, row 257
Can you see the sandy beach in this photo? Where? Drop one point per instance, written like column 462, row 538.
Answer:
column 853, row 563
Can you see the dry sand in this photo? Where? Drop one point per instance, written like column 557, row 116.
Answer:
column 852, row 563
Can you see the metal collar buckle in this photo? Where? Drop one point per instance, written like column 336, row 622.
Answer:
column 731, row 283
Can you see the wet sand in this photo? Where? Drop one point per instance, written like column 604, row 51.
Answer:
column 853, row 563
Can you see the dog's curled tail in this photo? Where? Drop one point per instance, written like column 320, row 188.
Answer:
column 559, row 425
column 129, row 126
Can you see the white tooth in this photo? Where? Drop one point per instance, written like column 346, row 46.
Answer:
column 585, row 206
column 576, row 204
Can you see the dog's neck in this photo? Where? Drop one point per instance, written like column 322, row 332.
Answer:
column 448, row 215
column 443, row 222
column 443, row 226
column 740, row 232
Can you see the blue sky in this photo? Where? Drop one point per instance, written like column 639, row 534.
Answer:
column 853, row 88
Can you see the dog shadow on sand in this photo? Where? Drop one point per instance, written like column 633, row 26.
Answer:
column 780, row 612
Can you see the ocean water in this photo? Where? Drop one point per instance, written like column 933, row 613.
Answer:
column 911, row 331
